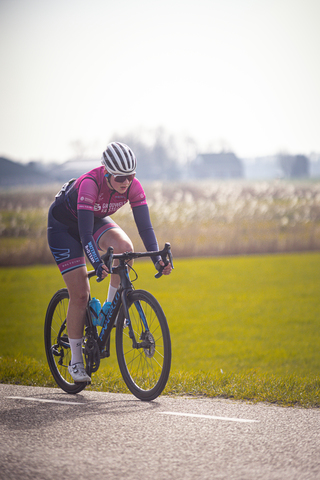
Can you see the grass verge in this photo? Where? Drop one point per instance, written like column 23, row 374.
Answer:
column 286, row 391
column 256, row 319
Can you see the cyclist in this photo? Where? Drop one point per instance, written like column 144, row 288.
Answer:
column 79, row 221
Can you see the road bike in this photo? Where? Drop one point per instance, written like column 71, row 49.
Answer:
column 143, row 343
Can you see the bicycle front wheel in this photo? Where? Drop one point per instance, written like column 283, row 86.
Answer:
column 145, row 360
column 57, row 342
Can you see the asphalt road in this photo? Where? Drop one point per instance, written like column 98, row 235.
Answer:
column 47, row 434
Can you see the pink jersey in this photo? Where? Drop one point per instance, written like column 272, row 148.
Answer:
column 91, row 192
column 76, row 205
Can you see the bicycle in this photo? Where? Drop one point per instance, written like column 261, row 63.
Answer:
column 143, row 343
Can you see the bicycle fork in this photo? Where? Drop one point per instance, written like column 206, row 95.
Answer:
column 147, row 341
column 127, row 321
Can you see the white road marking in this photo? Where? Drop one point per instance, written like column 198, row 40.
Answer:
column 179, row 414
column 196, row 415
column 46, row 401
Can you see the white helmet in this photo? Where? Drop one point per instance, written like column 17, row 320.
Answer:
column 119, row 159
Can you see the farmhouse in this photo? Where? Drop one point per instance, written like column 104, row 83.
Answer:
column 217, row 165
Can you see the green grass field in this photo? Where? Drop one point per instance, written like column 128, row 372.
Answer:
column 242, row 327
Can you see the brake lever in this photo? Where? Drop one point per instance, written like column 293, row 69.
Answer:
column 164, row 259
column 159, row 274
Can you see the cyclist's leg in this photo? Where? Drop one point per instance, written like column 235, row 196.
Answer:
column 68, row 254
column 78, row 287
column 120, row 243
column 107, row 233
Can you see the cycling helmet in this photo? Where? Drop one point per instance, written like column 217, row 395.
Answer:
column 119, row 159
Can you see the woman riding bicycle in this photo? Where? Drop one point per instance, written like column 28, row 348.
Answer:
column 79, row 221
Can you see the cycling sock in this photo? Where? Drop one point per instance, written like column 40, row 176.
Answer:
column 76, row 350
column 111, row 292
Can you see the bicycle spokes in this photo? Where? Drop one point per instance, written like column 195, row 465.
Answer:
column 57, row 342
column 143, row 349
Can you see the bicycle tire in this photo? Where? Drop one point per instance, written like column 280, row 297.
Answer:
column 58, row 356
column 144, row 370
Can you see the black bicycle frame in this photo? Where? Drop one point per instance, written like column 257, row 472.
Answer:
column 119, row 299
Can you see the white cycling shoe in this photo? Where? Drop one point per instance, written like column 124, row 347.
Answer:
column 78, row 373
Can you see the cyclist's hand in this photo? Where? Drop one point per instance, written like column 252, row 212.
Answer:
column 167, row 268
column 102, row 271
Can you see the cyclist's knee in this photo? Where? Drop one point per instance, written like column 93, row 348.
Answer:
column 79, row 298
column 118, row 239
column 124, row 245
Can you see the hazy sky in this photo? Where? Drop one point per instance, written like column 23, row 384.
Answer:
column 238, row 73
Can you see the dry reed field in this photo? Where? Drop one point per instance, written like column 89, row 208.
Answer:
column 200, row 218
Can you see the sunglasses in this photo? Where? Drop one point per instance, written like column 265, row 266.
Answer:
column 123, row 178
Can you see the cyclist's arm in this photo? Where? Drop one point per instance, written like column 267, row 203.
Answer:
column 142, row 218
column 87, row 195
column 85, row 224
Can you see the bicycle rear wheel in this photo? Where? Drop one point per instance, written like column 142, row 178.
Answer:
column 57, row 342
column 145, row 368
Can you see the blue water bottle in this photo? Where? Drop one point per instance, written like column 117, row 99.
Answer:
column 95, row 308
column 103, row 313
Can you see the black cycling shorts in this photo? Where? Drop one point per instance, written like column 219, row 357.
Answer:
column 65, row 244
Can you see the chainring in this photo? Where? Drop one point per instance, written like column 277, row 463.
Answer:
column 91, row 355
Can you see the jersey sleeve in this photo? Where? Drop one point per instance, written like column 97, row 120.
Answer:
column 87, row 194
column 85, row 224
column 142, row 218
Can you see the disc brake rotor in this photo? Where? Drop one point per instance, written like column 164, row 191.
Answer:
column 149, row 351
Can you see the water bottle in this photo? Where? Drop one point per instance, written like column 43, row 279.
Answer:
column 103, row 313
column 95, row 307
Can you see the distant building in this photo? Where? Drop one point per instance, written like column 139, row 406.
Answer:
column 315, row 167
column 294, row 166
column 217, row 165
